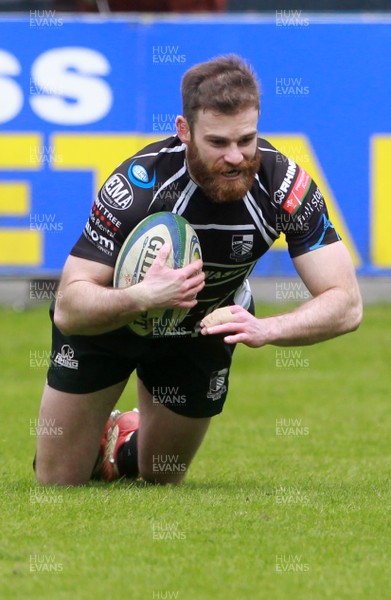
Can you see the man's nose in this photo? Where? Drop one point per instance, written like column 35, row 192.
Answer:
column 233, row 155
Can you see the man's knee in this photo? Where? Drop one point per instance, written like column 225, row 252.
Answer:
column 52, row 473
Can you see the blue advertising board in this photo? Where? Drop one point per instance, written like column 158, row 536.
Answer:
column 80, row 94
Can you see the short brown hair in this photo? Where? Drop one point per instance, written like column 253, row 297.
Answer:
column 225, row 84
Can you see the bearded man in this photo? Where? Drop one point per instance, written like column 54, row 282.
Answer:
column 236, row 190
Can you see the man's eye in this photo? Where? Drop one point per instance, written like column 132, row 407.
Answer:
column 218, row 143
column 246, row 141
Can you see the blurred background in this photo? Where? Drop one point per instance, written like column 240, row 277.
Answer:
column 194, row 6
column 84, row 84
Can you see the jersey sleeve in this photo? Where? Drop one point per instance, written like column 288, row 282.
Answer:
column 301, row 211
column 116, row 210
column 125, row 199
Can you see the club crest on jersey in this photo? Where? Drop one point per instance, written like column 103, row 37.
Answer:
column 140, row 177
column 217, row 384
column 242, row 246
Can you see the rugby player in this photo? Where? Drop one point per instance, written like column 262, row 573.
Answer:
column 239, row 193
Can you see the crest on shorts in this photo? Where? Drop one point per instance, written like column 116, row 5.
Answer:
column 217, row 384
column 242, row 246
column 64, row 358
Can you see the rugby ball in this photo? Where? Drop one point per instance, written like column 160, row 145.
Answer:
column 137, row 254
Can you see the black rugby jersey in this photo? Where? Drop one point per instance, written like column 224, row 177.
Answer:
column 233, row 236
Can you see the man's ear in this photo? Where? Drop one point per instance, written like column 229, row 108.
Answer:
column 183, row 129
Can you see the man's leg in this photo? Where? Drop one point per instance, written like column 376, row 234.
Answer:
column 68, row 457
column 167, row 441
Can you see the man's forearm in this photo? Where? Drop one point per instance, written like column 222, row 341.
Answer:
column 86, row 308
column 330, row 314
column 87, row 304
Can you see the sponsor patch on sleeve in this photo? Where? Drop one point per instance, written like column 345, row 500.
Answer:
column 117, row 192
column 297, row 194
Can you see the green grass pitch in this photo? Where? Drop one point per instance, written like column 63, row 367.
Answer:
column 289, row 496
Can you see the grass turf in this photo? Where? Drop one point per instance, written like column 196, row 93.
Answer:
column 288, row 497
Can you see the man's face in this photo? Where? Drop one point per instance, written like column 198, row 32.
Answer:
column 222, row 154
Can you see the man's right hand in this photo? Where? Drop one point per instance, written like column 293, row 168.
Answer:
column 164, row 287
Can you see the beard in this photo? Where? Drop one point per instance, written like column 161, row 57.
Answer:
column 211, row 181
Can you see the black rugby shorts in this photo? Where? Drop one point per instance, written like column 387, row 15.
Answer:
column 189, row 375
